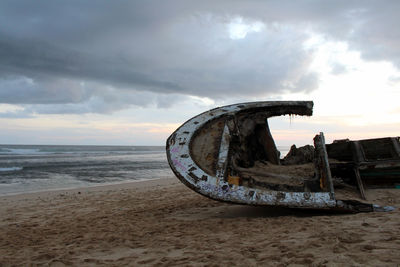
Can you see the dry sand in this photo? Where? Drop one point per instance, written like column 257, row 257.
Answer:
column 163, row 223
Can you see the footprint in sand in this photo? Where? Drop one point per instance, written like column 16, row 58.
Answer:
column 349, row 238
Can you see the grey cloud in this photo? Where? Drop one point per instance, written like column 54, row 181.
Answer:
column 307, row 82
column 23, row 90
column 58, row 96
column 377, row 35
column 102, row 100
column 102, row 57
column 20, row 114
column 39, row 60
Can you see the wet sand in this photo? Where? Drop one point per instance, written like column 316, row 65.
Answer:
column 163, row 223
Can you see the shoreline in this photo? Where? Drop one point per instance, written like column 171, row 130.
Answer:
column 138, row 184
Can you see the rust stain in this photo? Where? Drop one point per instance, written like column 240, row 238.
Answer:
column 234, row 180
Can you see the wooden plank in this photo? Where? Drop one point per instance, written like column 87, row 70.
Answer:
column 360, row 183
column 358, row 153
column 322, row 168
column 396, row 145
column 358, row 157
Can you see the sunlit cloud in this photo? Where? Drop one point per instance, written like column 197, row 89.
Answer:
column 238, row 28
column 9, row 108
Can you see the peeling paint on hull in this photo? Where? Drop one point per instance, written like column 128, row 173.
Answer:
column 211, row 179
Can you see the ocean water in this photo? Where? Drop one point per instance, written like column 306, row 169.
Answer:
column 31, row 168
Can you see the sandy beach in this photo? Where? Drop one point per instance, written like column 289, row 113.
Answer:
column 163, row 223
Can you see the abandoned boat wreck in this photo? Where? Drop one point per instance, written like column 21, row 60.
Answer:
column 229, row 154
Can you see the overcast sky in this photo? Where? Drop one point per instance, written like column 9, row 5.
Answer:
column 130, row 72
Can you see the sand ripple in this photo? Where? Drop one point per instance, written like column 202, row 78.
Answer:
column 165, row 223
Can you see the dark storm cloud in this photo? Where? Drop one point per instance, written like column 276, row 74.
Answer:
column 101, row 56
column 41, row 59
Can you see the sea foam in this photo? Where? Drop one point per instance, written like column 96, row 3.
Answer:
column 10, row 169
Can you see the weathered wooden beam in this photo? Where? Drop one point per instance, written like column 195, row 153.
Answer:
column 358, row 152
column 360, row 183
column 321, row 162
column 396, row 145
column 358, row 157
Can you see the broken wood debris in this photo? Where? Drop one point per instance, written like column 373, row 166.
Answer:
column 229, row 154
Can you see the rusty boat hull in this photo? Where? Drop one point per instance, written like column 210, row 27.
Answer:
column 211, row 152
